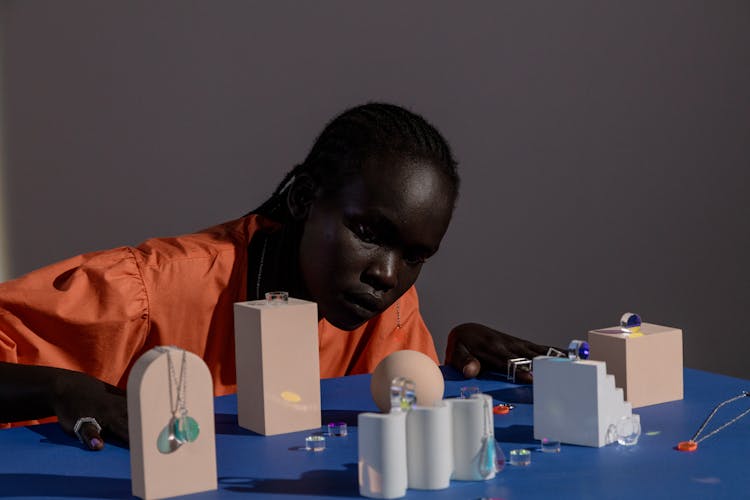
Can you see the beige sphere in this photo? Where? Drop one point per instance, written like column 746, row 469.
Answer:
column 414, row 365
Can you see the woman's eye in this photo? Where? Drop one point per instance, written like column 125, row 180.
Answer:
column 414, row 260
column 365, row 233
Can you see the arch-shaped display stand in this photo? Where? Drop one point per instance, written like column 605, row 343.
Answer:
column 191, row 467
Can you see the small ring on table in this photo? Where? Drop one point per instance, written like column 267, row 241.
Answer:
column 85, row 420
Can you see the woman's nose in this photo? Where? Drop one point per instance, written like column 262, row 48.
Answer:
column 382, row 272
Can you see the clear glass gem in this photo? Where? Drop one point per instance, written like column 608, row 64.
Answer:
column 403, row 394
column 629, row 430
column 550, row 446
column 315, row 442
column 338, row 429
column 468, row 391
column 520, row 457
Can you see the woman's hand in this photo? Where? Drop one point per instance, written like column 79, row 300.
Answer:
column 473, row 347
column 29, row 392
column 77, row 395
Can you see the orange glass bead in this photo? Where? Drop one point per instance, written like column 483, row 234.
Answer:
column 501, row 410
column 687, row 446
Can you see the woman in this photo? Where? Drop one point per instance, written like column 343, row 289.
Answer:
column 350, row 229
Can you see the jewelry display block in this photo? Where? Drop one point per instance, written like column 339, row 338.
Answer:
column 470, row 436
column 647, row 365
column 382, row 465
column 278, row 371
column 190, row 465
column 575, row 402
column 429, row 452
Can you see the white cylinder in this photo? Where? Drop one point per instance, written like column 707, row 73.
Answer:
column 382, row 454
column 469, row 420
column 429, row 447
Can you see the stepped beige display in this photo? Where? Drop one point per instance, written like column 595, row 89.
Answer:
column 278, row 370
column 647, row 365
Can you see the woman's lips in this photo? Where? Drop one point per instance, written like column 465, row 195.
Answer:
column 365, row 305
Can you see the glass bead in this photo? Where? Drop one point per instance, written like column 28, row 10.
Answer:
column 520, row 457
column 630, row 323
column 315, row 442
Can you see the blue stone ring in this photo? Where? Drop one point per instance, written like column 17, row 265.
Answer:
column 578, row 349
column 630, row 323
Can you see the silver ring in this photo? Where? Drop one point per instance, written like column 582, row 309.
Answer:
column 85, row 420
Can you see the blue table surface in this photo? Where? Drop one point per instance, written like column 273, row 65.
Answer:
column 43, row 462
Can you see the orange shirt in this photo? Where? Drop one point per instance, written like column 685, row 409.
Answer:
column 98, row 312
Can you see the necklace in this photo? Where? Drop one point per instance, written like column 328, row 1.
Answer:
column 692, row 443
column 260, row 267
column 181, row 428
column 491, row 457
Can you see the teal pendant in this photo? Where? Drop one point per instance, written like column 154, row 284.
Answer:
column 186, row 429
column 167, row 442
column 487, row 464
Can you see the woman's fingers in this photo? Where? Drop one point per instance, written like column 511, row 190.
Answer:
column 88, row 408
column 89, row 432
column 472, row 346
column 459, row 357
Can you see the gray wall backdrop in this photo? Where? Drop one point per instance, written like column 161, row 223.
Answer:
column 604, row 146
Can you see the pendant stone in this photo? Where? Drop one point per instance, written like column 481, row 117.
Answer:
column 186, row 429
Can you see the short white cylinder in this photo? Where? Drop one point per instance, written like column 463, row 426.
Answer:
column 429, row 447
column 468, row 424
column 381, row 439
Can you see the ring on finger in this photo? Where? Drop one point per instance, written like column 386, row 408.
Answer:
column 79, row 424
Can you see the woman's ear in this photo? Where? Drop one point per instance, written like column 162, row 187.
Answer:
column 300, row 196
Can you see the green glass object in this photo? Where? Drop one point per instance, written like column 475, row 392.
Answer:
column 167, row 442
column 186, row 429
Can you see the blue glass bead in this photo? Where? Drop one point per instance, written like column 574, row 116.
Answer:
column 630, row 323
column 583, row 350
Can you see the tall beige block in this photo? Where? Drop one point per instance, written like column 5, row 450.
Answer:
column 278, row 368
column 648, row 366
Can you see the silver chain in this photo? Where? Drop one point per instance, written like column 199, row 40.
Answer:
column 711, row 415
column 260, row 267
column 180, row 384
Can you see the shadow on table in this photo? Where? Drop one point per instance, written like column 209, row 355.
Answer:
column 53, row 485
column 53, row 434
column 227, row 424
column 515, row 434
column 337, row 483
column 520, row 395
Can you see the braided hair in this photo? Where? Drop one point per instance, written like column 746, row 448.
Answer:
column 374, row 130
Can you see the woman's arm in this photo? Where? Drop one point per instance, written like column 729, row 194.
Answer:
column 33, row 392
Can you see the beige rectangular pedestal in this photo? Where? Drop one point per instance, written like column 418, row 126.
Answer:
column 278, row 371
column 648, row 366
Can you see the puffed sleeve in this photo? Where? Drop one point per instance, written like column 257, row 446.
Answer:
column 89, row 313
